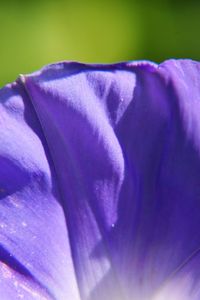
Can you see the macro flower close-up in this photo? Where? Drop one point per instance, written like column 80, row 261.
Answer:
column 100, row 182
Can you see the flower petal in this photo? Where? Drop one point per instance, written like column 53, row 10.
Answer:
column 162, row 211
column 77, row 110
column 35, row 258
column 117, row 159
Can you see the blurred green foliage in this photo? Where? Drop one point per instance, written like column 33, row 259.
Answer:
column 37, row 32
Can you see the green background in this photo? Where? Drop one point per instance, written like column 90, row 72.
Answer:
column 35, row 33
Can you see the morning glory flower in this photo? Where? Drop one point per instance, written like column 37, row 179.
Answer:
column 100, row 182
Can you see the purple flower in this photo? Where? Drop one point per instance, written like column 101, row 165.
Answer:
column 100, row 183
